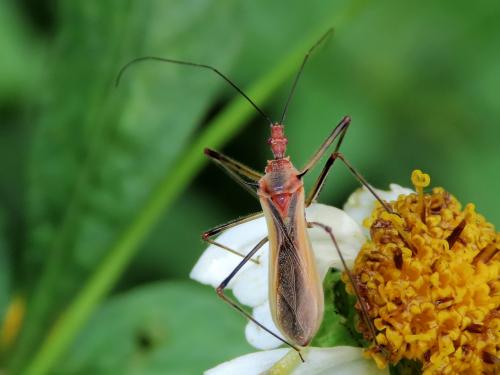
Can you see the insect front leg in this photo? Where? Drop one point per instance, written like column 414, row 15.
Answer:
column 237, row 307
column 338, row 132
column 206, row 236
column 324, row 173
column 319, row 184
column 245, row 176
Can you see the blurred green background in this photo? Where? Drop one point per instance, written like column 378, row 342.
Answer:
column 105, row 191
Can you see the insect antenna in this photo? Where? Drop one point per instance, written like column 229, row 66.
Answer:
column 180, row 62
column 326, row 35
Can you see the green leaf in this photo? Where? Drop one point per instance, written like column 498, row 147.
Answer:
column 174, row 245
column 165, row 328
column 406, row 367
column 99, row 151
column 5, row 271
column 336, row 327
column 95, row 174
column 220, row 129
column 19, row 65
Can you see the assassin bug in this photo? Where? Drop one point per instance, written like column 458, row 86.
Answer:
column 295, row 288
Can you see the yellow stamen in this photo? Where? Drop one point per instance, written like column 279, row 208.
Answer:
column 420, row 180
column 434, row 303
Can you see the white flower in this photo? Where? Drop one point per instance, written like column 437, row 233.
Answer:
column 361, row 203
column 340, row 360
column 250, row 285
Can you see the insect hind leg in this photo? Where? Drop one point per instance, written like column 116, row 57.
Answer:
column 237, row 307
column 362, row 303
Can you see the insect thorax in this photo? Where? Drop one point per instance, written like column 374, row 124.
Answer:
column 280, row 178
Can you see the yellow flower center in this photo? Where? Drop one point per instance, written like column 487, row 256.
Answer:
column 430, row 281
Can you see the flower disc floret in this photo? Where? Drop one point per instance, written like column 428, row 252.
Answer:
column 430, row 281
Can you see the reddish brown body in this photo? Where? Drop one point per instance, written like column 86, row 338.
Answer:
column 295, row 290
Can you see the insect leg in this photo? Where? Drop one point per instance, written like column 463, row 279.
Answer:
column 243, row 175
column 324, row 173
column 206, row 236
column 354, row 283
column 234, row 305
column 233, row 165
column 319, row 183
column 338, row 131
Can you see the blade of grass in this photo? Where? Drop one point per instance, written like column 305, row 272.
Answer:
column 222, row 128
column 81, row 192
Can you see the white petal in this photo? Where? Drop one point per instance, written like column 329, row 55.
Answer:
column 340, row 360
column 347, row 232
column 255, row 335
column 249, row 364
column 251, row 284
column 361, row 203
column 215, row 264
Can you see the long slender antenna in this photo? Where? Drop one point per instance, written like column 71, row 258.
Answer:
column 326, row 35
column 154, row 58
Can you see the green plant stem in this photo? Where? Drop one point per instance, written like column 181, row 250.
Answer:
column 221, row 129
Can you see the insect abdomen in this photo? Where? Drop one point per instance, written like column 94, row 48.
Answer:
column 295, row 290
column 299, row 300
